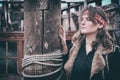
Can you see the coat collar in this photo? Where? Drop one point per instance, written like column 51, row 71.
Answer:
column 98, row 62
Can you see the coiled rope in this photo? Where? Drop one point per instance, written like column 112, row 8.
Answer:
column 39, row 59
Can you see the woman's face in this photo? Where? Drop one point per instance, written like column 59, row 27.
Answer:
column 87, row 26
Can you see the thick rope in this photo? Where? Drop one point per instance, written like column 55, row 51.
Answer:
column 39, row 59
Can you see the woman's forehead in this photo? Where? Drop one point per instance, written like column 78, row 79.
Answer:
column 85, row 13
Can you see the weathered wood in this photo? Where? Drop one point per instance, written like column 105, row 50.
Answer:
column 10, row 42
column 51, row 27
column 33, row 27
column 42, row 21
column 75, row 20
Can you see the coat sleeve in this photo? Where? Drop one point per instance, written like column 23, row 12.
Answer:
column 65, row 57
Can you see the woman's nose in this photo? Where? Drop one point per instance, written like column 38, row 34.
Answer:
column 83, row 22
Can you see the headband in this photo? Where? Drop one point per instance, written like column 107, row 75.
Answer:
column 100, row 19
column 97, row 17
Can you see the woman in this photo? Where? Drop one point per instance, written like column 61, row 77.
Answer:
column 92, row 48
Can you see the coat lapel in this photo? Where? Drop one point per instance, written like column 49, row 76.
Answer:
column 98, row 62
column 76, row 40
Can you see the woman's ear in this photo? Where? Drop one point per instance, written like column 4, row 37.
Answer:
column 100, row 26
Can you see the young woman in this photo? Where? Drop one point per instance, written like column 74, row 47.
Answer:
column 92, row 48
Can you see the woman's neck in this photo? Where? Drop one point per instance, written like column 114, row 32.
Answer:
column 89, row 39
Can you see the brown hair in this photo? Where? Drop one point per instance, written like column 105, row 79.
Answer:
column 96, row 14
column 102, row 36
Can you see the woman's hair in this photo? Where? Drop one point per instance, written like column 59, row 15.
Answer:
column 97, row 15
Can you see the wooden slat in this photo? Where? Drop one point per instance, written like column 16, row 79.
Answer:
column 11, row 36
column 20, row 55
column 17, row 37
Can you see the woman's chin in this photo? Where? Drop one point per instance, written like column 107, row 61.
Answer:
column 84, row 32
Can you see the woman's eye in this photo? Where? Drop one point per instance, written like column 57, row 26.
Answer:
column 81, row 19
column 88, row 19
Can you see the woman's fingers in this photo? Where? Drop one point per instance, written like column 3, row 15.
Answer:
column 63, row 40
column 62, row 33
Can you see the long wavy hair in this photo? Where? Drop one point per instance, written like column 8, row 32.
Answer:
column 103, row 37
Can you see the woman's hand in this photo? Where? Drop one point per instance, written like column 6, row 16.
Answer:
column 62, row 34
column 63, row 40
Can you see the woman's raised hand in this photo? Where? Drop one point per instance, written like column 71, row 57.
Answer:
column 63, row 40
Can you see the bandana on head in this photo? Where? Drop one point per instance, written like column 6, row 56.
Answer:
column 97, row 17
column 100, row 19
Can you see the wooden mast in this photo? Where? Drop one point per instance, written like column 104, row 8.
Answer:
column 42, row 19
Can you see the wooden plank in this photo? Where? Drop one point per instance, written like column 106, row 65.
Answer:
column 41, row 32
column 51, row 27
column 11, row 36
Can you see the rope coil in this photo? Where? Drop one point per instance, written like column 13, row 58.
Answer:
column 39, row 59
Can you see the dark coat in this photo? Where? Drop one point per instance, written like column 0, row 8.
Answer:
column 104, row 61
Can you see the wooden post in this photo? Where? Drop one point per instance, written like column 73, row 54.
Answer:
column 41, row 36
